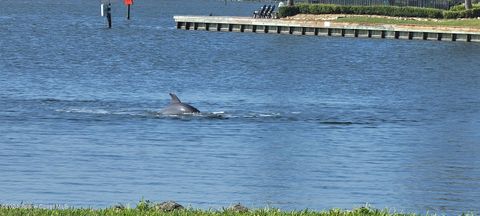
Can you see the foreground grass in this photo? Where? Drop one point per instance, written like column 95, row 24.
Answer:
column 466, row 23
column 28, row 211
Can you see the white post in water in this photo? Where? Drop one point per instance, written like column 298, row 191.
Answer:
column 106, row 11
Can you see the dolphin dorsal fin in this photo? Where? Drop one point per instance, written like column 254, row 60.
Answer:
column 174, row 99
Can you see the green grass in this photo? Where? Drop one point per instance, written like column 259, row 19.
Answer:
column 147, row 208
column 15, row 211
column 469, row 23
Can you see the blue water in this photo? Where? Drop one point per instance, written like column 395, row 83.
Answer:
column 291, row 122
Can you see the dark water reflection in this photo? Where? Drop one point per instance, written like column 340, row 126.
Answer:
column 291, row 122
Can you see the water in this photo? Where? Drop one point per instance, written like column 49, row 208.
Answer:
column 290, row 121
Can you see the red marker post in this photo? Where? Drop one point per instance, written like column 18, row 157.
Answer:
column 128, row 3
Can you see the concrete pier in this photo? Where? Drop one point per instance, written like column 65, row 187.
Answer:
column 325, row 28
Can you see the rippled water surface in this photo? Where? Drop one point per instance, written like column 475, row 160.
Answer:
column 289, row 121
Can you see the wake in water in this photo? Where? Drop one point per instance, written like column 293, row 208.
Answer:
column 216, row 115
column 105, row 109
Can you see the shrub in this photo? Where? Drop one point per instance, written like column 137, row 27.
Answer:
column 288, row 11
column 454, row 13
column 461, row 7
column 368, row 10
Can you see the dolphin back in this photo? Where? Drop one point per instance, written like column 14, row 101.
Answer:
column 176, row 107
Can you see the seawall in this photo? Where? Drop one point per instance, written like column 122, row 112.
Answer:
column 325, row 28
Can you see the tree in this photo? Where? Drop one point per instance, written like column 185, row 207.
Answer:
column 468, row 4
column 290, row 2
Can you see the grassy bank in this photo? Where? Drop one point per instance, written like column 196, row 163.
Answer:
column 15, row 211
column 171, row 208
column 473, row 23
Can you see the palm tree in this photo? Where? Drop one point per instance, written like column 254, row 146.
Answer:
column 290, row 2
column 468, row 4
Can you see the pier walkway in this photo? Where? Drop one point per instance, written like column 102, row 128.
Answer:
column 325, row 28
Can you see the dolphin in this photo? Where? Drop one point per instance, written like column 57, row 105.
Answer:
column 176, row 107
